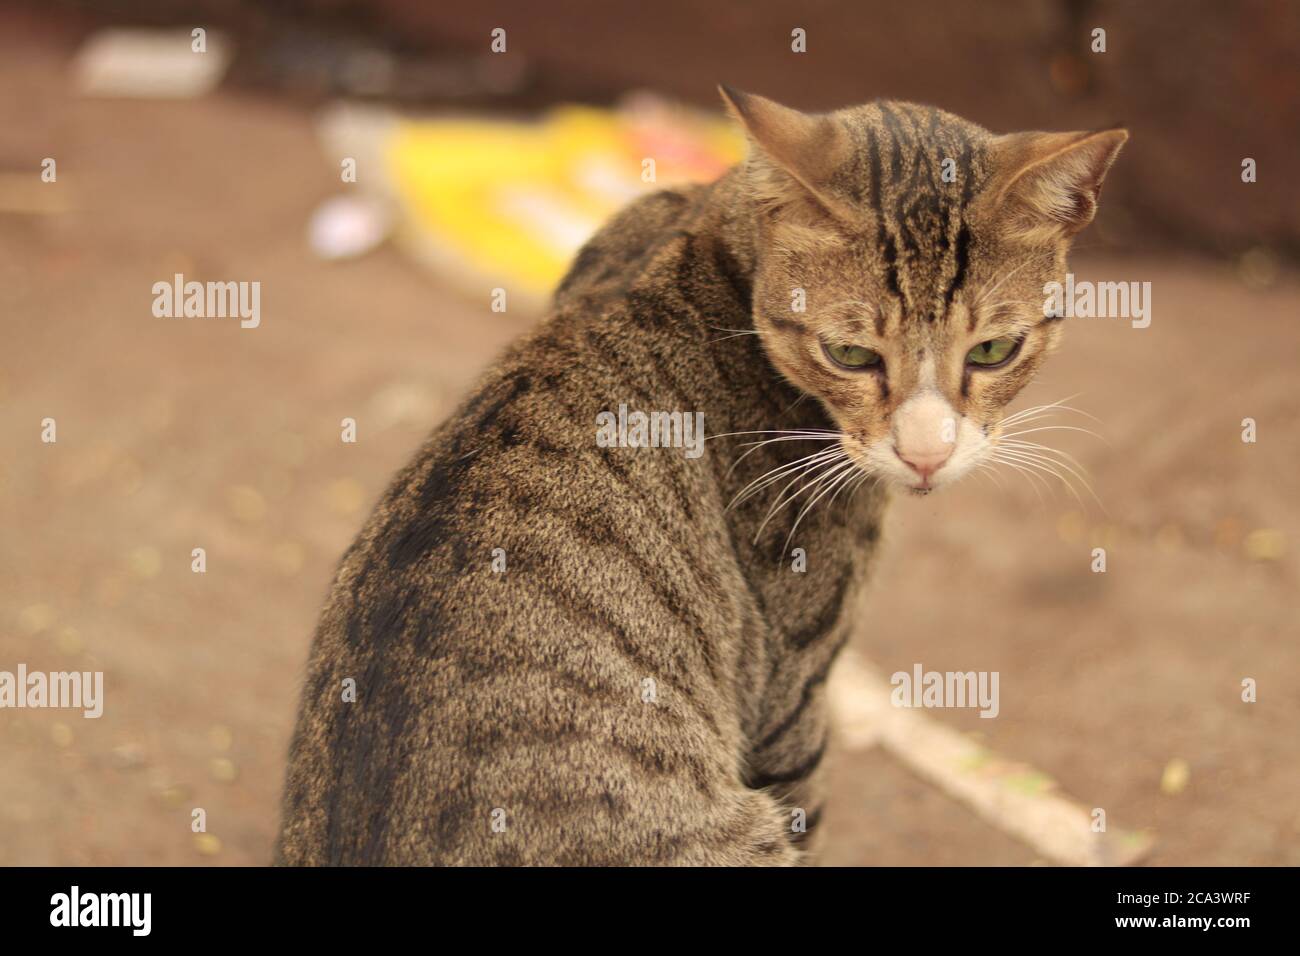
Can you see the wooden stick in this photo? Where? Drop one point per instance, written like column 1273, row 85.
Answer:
column 1014, row 797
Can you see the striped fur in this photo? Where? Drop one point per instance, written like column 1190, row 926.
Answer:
column 502, row 718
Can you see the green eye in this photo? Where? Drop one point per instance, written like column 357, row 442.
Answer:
column 992, row 352
column 853, row 356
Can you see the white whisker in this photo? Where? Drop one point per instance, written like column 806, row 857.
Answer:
column 776, row 474
column 776, row 431
column 844, row 474
column 1050, row 462
column 1043, row 464
column 759, row 444
column 1033, row 479
column 1046, row 449
column 782, row 499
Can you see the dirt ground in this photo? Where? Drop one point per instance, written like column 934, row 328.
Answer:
column 181, row 434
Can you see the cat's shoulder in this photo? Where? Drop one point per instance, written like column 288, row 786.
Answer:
column 618, row 250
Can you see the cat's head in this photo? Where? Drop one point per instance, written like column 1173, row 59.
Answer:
column 902, row 254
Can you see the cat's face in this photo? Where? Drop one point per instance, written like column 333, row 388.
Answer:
column 902, row 259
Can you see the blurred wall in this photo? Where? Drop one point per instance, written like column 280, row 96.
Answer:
column 1201, row 84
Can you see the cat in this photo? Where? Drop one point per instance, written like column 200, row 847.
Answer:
column 564, row 653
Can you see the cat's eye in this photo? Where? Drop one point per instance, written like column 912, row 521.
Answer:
column 993, row 352
column 854, row 357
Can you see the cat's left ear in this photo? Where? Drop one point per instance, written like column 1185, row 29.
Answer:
column 1047, row 184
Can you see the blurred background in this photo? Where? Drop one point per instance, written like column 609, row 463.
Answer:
column 379, row 168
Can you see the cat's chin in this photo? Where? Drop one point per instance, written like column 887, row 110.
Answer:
column 921, row 489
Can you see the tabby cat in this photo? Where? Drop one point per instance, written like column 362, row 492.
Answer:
column 571, row 652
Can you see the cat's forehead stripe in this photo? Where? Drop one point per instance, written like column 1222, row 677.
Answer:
column 922, row 232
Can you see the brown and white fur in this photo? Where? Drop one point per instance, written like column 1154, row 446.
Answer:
column 644, row 681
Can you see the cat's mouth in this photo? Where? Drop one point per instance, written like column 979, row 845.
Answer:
column 881, row 460
column 922, row 484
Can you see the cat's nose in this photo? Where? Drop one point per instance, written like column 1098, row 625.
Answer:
column 925, row 432
column 926, row 462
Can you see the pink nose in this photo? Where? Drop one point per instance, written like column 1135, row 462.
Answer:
column 926, row 463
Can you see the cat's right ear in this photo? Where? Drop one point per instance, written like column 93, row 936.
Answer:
column 793, row 155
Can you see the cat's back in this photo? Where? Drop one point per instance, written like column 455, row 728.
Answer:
column 619, row 253
column 492, row 608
